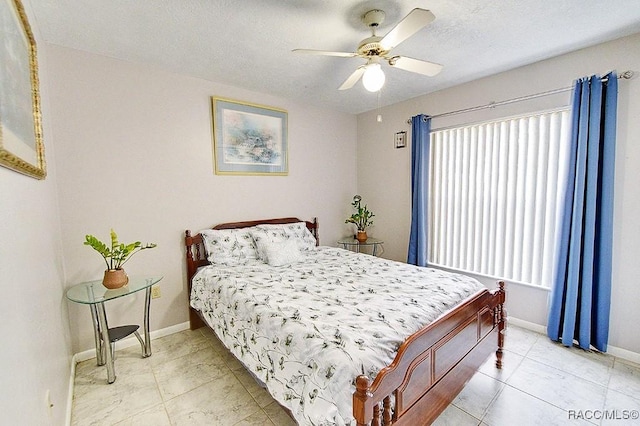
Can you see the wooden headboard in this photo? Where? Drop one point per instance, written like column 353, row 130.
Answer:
column 196, row 254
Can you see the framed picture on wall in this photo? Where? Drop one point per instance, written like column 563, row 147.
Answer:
column 400, row 139
column 21, row 145
column 249, row 139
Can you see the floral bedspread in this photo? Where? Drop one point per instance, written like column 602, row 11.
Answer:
column 307, row 330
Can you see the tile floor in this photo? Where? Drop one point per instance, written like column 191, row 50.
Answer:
column 191, row 379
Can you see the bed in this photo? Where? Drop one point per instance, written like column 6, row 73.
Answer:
column 327, row 366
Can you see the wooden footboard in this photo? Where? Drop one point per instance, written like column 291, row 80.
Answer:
column 433, row 365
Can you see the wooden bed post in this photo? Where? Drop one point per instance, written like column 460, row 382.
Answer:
column 501, row 317
column 362, row 409
column 315, row 231
column 188, row 242
column 195, row 321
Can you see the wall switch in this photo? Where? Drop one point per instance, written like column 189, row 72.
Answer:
column 155, row 292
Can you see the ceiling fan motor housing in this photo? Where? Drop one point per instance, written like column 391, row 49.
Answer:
column 371, row 47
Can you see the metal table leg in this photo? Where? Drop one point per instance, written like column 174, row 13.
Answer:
column 106, row 342
column 147, row 339
column 97, row 335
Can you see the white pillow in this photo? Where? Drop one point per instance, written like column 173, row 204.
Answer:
column 282, row 253
column 229, row 246
column 291, row 231
column 262, row 237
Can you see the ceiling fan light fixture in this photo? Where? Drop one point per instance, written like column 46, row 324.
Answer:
column 373, row 78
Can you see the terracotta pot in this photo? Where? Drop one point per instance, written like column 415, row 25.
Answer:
column 361, row 236
column 115, row 278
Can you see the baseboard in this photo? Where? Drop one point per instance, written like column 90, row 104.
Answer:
column 624, row 354
column 91, row 353
column 527, row 325
column 614, row 351
column 72, row 375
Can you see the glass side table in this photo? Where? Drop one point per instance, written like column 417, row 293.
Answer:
column 372, row 246
column 94, row 294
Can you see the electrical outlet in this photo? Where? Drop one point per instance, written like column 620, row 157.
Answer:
column 155, row 292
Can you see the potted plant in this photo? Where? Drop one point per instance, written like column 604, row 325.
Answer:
column 114, row 257
column 361, row 218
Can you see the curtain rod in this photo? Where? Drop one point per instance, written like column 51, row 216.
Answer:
column 625, row 75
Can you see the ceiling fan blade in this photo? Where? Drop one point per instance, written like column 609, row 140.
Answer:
column 415, row 65
column 411, row 24
column 353, row 78
column 325, row 53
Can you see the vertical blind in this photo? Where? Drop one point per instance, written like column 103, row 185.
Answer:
column 495, row 191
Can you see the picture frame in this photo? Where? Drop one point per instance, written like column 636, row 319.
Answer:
column 400, row 140
column 21, row 141
column 249, row 139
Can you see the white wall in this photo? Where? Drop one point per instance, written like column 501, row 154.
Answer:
column 384, row 172
column 134, row 152
column 36, row 348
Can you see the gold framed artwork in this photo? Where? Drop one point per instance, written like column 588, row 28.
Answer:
column 21, row 145
column 249, row 139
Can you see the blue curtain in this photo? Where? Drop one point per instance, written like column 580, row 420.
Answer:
column 581, row 295
column 418, row 242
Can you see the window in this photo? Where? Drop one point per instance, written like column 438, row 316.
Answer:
column 495, row 195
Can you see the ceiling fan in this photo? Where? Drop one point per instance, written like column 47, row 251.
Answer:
column 375, row 48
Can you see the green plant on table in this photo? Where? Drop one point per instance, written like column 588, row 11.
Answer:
column 119, row 253
column 362, row 217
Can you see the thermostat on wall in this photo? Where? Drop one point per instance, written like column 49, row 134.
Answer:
column 400, row 139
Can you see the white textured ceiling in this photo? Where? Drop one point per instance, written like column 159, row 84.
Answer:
column 248, row 43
